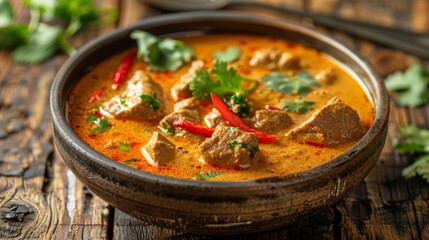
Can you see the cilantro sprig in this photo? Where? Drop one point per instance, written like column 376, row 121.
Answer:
column 101, row 124
column 411, row 85
column 162, row 54
column 415, row 140
column 206, row 175
column 252, row 149
column 153, row 101
column 231, row 54
column 299, row 106
column 299, row 83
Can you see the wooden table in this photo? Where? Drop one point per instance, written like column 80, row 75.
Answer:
column 54, row 204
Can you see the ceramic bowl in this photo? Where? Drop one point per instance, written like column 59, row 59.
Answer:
column 216, row 207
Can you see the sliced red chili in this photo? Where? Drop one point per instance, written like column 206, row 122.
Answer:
column 194, row 128
column 94, row 97
column 236, row 121
column 123, row 69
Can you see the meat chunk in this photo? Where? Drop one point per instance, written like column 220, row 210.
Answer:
column 181, row 89
column 333, row 124
column 186, row 109
column 213, row 118
column 272, row 121
column 230, row 147
column 327, row 76
column 130, row 102
column 274, row 59
column 188, row 103
column 158, row 151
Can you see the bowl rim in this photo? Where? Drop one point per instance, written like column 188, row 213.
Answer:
column 61, row 124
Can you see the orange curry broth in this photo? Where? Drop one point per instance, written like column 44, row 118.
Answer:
column 283, row 157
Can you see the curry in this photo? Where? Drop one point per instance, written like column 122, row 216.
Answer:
column 220, row 107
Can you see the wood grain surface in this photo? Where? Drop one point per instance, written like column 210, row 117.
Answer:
column 41, row 199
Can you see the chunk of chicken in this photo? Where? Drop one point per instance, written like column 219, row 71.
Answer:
column 181, row 89
column 333, row 124
column 130, row 102
column 230, row 147
column 272, row 121
column 213, row 118
column 159, row 150
column 274, row 59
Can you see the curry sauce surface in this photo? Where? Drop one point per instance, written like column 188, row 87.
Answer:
column 282, row 157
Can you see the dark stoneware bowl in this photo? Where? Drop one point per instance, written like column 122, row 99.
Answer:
column 216, row 207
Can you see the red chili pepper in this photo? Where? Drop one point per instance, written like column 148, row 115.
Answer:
column 194, row 128
column 236, row 121
column 94, row 97
column 123, row 69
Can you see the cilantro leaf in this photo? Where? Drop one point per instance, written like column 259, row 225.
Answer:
column 166, row 127
column 124, row 147
column 300, row 83
column 13, row 35
column 299, row 106
column 129, row 161
column 251, row 148
column 101, row 124
column 41, row 44
column 411, row 85
column 153, row 101
column 228, row 81
column 231, row 54
column 162, row 54
column 238, row 104
column 206, row 176
column 419, row 168
column 6, row 13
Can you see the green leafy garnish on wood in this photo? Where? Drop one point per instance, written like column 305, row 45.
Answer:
column 411, row 85
column 299, row 106
column 162, row 54
column 231, row 54
column 300, row 83
column 226, row 81
column 124, row 147
column 251, row 148
column 153, row 101
column 415, row 140
column 101, row 124
column 206, row 176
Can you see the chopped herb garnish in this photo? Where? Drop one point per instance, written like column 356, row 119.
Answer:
column 411, row 85
column 101, row 124
column 153, row 101
column 299, row 106
column 124, row 147
column 251, row 148
column 300, row 83
column 228, row 82
column 238, row 104
column 129, row 161
column 166, row 127
column 206, row 176
column 162, row 54
column 232, row 129
column 231, row 54
column 415, row 140
column 123, row 101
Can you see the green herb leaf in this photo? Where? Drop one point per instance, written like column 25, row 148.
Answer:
column 411, row 85
column 238, row 104
column 228, row 81
column 419, row 168
column 166, row 127
column 299, row 106
column 124, row 147
column 153, row 101
column 162, row 54
column 42, row 44
column 130, row 161
column 206, row 176
column 123, row 101
column 251, row 148
column 13, row 35
column 300, row 83
column 231, row 54
column 101, row 124
column 6, row 13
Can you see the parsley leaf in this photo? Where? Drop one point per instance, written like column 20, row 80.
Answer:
column 101, row 124
column 411, row 85
column 251, row 148
column 124, row 147
column 300, row 83
column 206, row 176
column 231, row 54
column 228, row 81
column 129, row 161
column 162, row 54
column 153, row 101
column 299, row 106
